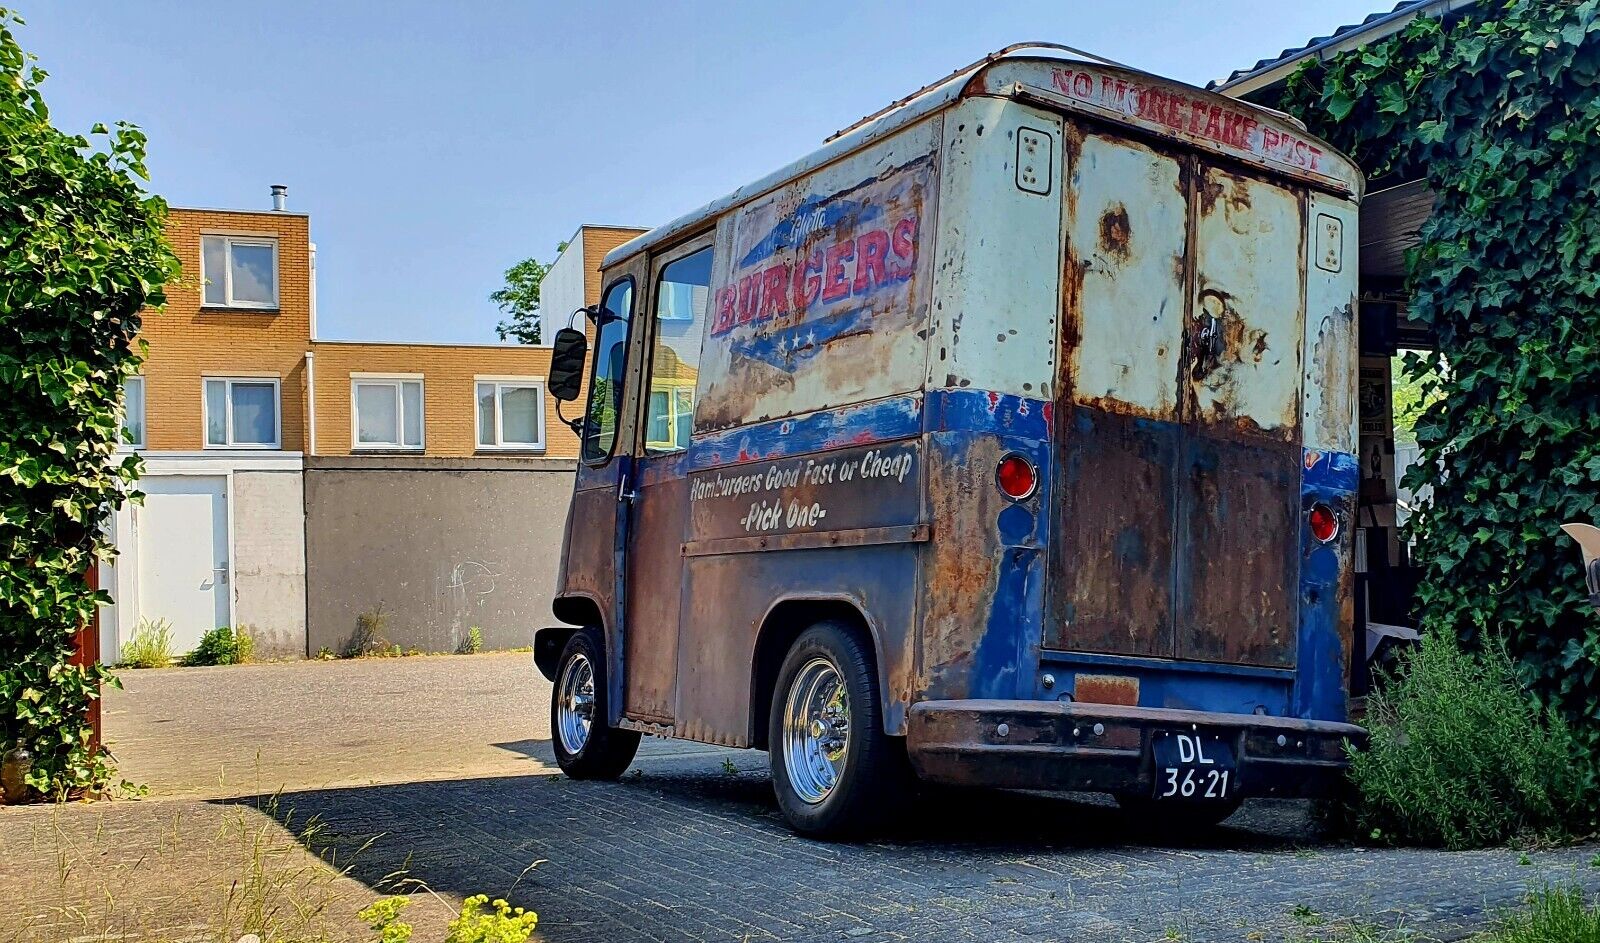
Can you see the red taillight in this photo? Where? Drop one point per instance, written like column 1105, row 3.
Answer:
column 1324, row 525
column 1016, row 477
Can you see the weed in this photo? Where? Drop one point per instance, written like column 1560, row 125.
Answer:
column 325, row 654
column 1524, row 861
column 1305, row 916
column 473, row 643
column 729, row 768
column 368, row 638
column 502, row 923
column 1461, row 757
column 150, row 646
column 1553, row 915
column 222, row 646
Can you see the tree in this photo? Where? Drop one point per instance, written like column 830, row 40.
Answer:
column 82, row 252
column 519, row 298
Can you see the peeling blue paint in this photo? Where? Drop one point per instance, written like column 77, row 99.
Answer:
column 1320, row 690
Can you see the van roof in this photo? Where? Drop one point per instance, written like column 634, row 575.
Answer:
column 1337, row 171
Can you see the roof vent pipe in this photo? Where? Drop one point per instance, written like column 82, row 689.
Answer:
column 280, row 198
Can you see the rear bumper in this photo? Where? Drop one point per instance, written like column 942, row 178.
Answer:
column 1063, row 745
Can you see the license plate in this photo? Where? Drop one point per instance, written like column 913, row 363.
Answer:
column 1194, row 766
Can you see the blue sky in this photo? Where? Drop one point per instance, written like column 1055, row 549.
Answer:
column 436, row 144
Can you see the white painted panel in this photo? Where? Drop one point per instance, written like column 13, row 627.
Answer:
column 998, row 273
column 561, row 291
column 1249, row 254
column 1332, row 295
column 1126, row 236
column 183, row 555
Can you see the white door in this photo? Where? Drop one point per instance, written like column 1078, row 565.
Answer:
column 183, row 555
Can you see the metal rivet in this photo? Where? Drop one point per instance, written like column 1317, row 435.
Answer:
column 1077, row 732
column 1099, row 729
column 1049, row 680
column 1282, row 740
column 1002, row 730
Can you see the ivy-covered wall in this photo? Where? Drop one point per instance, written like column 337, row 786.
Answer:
column 1500, row 112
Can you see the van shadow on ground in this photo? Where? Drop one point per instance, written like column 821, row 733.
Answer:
column 681, row 850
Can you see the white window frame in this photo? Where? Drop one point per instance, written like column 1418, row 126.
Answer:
column 229, row 240
column 398, row 382
column 500, row 385
column 144, row 412
column 227, row 409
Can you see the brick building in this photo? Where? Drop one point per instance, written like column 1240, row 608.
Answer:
column 294, row 483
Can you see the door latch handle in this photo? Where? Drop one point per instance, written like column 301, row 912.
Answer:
column 1207, row 346
column 625, row 495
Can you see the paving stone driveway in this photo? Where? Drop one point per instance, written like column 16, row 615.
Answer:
column 445, row 761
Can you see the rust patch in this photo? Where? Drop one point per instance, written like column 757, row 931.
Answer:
column 1218, row 184
column 1107, row 689
column 1115, row 232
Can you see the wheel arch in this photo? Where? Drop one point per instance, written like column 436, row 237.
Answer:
column 782, row 624
column 575, row 610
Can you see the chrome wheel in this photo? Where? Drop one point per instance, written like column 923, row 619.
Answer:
column 575, row 703
column 816, row 729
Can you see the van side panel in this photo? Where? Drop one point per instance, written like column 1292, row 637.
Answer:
column 822, row 295
column 805, row 475
column 991, row 373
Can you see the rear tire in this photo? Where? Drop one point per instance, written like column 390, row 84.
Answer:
column 834, row 770
column 585, row 747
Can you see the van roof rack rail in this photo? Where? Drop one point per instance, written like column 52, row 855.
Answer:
column 973, row 67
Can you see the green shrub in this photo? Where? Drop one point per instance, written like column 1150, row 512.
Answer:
column 149, row 647
column 473, row 643
column 1554, row 915
column 222, row 646
column 1461, row 757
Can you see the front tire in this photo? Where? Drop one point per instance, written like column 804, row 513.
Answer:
column 585, row 747
column 834, row 770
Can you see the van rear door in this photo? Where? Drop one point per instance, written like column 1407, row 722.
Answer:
column 1179, row 439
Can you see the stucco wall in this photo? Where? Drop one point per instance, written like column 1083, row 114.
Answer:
column 438, row 545
column 269, row 564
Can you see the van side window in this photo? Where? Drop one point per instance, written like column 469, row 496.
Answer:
column 610, row 364
column 682, row 296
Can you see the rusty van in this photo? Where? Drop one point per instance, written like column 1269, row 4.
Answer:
column 1004, row 441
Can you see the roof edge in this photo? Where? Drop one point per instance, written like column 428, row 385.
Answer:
column 1269, row 72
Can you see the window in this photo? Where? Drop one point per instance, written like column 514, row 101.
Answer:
column 133, row 413
column 682, row 292
column 610, row 360
column 385, row 413
column 510, row 414
column 239, row 271
column 241, row 413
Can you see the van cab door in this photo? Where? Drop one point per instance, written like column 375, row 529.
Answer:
column 598, row 522
column 673, row 327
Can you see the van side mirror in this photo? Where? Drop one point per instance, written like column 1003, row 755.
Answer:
column 567, row 356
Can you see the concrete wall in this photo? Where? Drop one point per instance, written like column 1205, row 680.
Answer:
column 269, row 561
column 438, row 544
